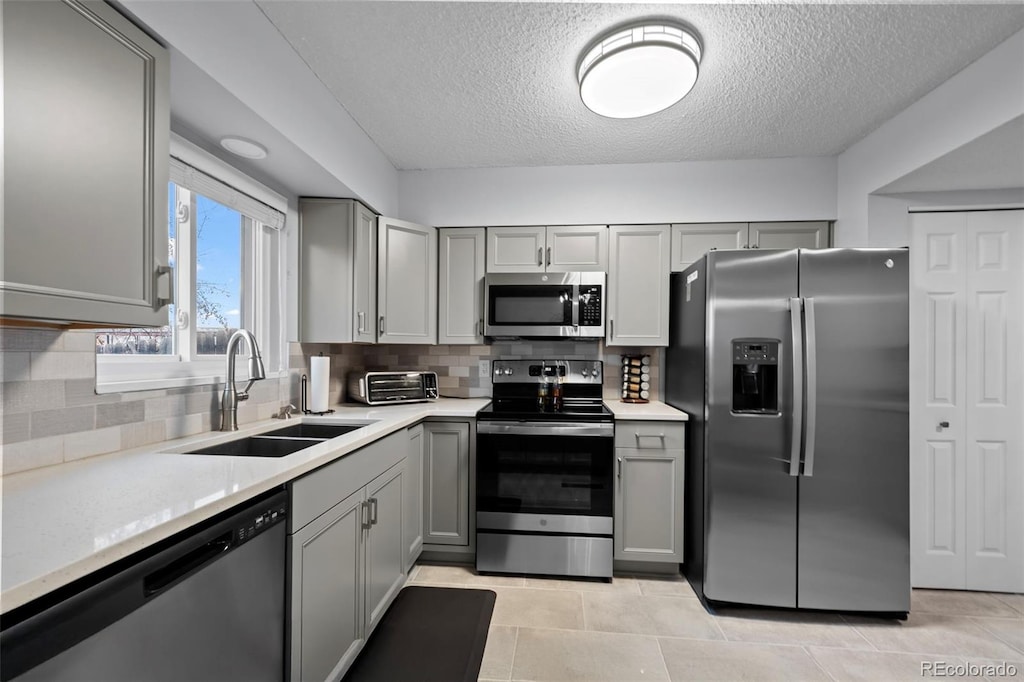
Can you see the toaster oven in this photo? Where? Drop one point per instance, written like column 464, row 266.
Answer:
column 385, row 388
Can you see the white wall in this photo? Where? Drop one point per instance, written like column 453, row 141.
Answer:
column 237, row 46
column 982, row 97
column 699, row 191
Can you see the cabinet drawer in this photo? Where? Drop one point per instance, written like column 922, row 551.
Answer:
column 649, row 435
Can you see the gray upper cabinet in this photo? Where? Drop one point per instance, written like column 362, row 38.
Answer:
column 86, row 128
column 802, row 235
column 649, row 491
column 406, row 282
column 690, row 241
column 461, row 285
column 446, row 476
column 638, row 286
column 338, row 264
column 569, row 248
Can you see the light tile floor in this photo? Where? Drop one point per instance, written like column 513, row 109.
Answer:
column 648, row 628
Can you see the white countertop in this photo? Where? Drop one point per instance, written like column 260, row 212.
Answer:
column 654, row 411
column 61, row 523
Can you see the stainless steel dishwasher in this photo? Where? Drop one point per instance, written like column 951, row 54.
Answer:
column 207, row 604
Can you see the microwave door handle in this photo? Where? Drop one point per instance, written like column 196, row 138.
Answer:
column 576, row 307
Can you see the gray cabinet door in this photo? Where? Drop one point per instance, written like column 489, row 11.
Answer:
column 799, row 235
column 690, row 241
column 515, row 249
column 446, row 483
column 327, row 592
column 413, row 491
column 386, row 550
column 649, row 505
column 460, row 313
column 86, row 139
column 638, row 276
column 406, row 282
column 326, row 257
column 364, row 275
column 576, row 248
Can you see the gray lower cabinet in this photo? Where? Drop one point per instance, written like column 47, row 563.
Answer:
column 446, row 483
column 86, row 127
column 413, row 489
column 649, row 491
column 347, row 554
column 327, row 592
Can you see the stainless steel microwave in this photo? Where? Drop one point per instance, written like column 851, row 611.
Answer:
column 552, row 304
column 385, row 388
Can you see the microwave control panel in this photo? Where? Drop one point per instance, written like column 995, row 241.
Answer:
column 590, row 305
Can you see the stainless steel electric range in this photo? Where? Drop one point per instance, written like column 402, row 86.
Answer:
column 545, row 453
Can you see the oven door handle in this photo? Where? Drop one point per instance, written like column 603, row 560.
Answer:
column 602, row 430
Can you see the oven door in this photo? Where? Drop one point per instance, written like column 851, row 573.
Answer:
column 547, row 468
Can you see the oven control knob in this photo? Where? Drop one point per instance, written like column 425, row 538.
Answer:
column 508, row 371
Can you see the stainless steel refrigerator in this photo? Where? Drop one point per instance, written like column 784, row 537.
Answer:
column 793, row 367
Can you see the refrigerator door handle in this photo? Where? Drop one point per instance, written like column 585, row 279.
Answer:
column 797, row 358
column 812, row 387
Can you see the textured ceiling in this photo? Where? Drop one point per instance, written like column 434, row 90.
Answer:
column 468, row 84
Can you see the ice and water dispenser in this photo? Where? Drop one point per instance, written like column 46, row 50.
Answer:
column 755, row 376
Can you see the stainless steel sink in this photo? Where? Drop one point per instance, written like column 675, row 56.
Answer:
column 255, row 446
column 319, row 431
column 278, row 443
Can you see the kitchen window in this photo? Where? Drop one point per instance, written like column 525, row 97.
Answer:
column 225, row 246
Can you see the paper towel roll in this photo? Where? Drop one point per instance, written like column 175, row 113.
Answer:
column 319, row 383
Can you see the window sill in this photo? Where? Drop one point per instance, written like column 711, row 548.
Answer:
column 150, row 376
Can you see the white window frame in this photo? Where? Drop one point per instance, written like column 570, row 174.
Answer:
column 262, row 296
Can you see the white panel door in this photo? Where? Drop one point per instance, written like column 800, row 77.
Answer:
column 938, row 335
column 967, row 401
column 994, row 444
column 577, row 248
column 515, row 249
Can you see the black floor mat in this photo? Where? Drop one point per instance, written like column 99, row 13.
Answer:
column 429, row 634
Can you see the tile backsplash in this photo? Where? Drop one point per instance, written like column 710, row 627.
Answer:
column 52, row 414
column 458, row 366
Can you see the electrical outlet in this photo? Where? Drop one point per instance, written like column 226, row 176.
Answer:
column 485, row 369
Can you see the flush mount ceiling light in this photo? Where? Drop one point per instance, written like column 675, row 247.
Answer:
column 639, row 70
column 243, row 147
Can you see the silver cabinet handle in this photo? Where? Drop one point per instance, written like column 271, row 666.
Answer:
column 160, row 271
column 481, row 323
column 549, row 255
column 364, row 508
column 373, row 511
column 943, row 425
column 620, row 467
column 611, row 330
column 812, row 387
column 360, row 321
column 648, row 435
column 797, row 359
column 380, row 326
column 540, row 256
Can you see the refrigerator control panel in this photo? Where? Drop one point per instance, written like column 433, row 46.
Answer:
column 755, row 351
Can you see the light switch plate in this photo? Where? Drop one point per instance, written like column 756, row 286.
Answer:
column 485, row 369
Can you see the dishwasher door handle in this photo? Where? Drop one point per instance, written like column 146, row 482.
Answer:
column 171, row 573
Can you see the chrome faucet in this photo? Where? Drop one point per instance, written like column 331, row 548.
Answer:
column 229, row 401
